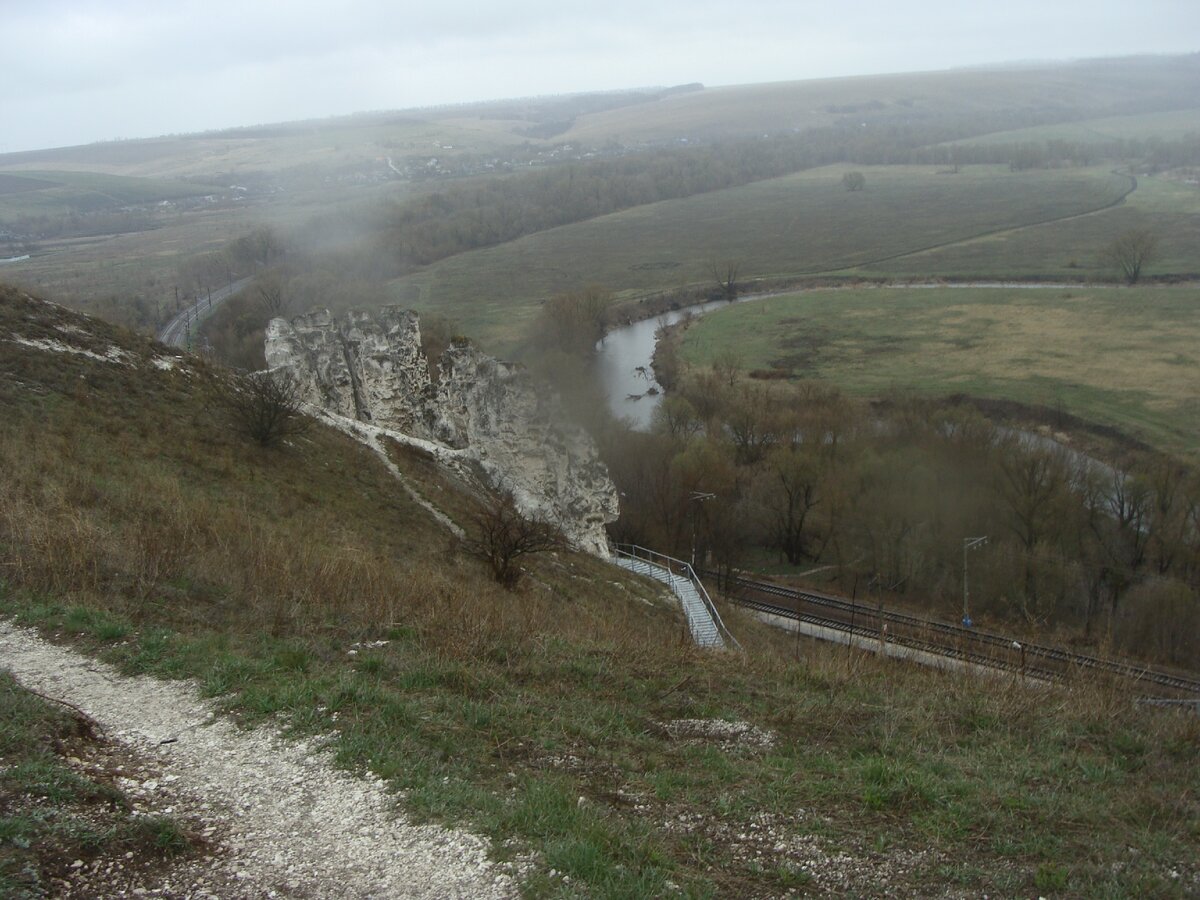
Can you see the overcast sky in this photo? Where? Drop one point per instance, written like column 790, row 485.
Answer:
column 76, row 71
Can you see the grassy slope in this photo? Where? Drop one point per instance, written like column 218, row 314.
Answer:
column 1071, row 249
column 1166, row 125
column 776, row 107
column 86, row 192
column 802, row 223
column 325, row 143
column 1118, row 356
column 133, row 520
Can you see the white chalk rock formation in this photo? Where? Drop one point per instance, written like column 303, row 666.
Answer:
column 370, row 367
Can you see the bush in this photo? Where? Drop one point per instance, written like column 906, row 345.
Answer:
column 502, row 535
column 854, row 181
column 265, row 407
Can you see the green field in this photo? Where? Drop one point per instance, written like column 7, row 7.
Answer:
column 1070, row 249
column 1124, row 357
column 801, row 224
column 33, row 193
column 1166, row 125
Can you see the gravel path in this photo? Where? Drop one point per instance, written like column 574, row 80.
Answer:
column 281, row 820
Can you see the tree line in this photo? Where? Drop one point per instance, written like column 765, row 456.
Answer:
column 876, row 499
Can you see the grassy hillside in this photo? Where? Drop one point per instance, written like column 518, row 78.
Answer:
column 1123, row 357
column 1070, row 249
column 1056, row 92
column 568, row 720
column 326, row 144
column 40, row 193
column 1167, row 125
column 801, row 224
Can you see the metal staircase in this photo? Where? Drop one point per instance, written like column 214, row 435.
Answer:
column 704, row 622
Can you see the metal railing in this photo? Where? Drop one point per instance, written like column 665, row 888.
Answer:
column 945, row 639
column 680, row 569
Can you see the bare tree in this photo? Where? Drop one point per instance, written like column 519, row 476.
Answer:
column 728, row 364
column 1132, row 251
column 854, row 181
column 1031, row 485
column 271, row 293
column 259, row 248
column 502, row 536
column 725, row 274
column 677, row 417
column 265, row 407
column 790, row 489
column 752, row 422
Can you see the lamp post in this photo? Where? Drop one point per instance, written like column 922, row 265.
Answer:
column 969, row 543
column 697, row 497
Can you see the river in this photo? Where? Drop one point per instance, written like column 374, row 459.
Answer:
column 623, row 361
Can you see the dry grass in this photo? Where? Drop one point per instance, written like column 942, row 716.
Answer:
column 128, row 487
column 133, row 520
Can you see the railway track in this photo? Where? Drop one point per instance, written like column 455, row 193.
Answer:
column 178, row 331
column 943, row 639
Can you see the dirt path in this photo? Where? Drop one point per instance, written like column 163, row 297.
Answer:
column 281, row 820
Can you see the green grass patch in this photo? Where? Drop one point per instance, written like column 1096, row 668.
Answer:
column 1070, row 250
column 527, row 749
column 1009, row 344
column 51, row 814
column 51, row 193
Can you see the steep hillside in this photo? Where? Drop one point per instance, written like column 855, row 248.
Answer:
column 569, row 721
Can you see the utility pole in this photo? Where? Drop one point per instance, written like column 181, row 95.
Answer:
column 969, row 543
column 697, row 497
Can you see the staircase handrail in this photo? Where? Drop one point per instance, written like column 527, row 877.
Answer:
column 645, row 554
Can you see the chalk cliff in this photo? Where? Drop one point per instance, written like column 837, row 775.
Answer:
column 490, row 416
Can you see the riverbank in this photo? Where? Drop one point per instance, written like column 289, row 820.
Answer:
column 1012, row 349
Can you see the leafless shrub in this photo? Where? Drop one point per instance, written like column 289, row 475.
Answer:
column 725, row 275
column 265, row 407
column 502, row 536
column 271, row 293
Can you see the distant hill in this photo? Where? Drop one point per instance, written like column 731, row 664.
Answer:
column 1017, row 96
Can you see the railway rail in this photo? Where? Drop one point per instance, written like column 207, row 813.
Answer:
column 969, row 645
